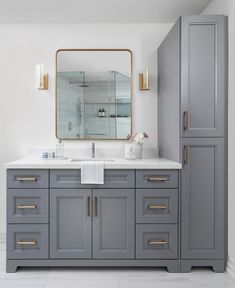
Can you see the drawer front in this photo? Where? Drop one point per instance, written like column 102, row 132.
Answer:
column 156, row 205
column 156, row 241
column 27, row 241
column 156, row 178
column 27, row 205
column 27, row 178
column 112, row 179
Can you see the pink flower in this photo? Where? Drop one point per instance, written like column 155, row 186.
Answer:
column 138, row 137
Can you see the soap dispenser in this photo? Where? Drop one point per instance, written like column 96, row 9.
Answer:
column 60, row 149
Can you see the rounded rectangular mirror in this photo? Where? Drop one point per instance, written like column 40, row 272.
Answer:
column 93, row 94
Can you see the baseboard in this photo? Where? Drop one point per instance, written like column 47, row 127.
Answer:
column 231, row 267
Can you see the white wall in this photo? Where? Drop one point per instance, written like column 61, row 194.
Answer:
column 227, row 7
column 27, row 117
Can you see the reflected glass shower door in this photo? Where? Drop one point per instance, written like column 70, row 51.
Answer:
column 93, row 105
column 100, row 105
column 123, row 105
column 70, row 104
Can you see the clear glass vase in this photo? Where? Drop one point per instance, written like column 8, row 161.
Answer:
column 138, row 150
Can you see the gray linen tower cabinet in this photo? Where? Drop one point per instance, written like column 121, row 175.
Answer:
column 192, row 63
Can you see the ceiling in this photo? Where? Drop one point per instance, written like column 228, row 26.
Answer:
column 98, row 11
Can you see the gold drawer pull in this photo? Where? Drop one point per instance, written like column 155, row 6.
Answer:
column 95, row 200
column 157, row 206
column 27, row 242
column 26, row 178
column 157, row 242
column 158, row 178
column 186, row 154
column 186, row 120
column 26, row 206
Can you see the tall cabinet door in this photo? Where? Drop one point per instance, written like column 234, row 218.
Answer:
column 70, row 223
column 203, row 75
column 113, row 223
column 202, row 201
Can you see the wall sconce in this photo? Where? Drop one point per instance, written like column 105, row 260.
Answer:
column 144, row 81
column 41, row 78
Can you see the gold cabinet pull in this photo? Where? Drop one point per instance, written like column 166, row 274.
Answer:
column 157, row 242
column 157, row 206
column 186, row 154
column 88, row 206
column 158, row 178
column 186, row 120
column 26, row 179
column 26, row 206
column 95, row 213
column 27, row 242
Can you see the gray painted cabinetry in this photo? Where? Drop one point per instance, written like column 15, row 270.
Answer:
column 64, row 223
column 193, row 130
column 141, row 217
column 70, row 223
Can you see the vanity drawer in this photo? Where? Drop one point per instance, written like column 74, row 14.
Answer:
column 27, row 241
column 27, row 178
column 156, row 205
column 156, row 178
column 72, row 179
column 27, row 205
column 156, row 241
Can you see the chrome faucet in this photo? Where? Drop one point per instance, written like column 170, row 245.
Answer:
column 93, row 150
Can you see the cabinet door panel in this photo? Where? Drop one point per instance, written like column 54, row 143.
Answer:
column 202, row 199
column 203, row 76
column 70, row 223
column 113, row 223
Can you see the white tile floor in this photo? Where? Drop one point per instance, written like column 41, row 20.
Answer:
column 109, row 278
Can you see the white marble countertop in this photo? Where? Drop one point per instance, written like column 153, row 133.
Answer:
column 39, row 163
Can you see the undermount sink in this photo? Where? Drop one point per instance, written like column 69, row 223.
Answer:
column 90, row 159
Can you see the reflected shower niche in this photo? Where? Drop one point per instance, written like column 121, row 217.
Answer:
column 93, row 94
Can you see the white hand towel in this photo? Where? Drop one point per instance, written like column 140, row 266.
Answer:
column 92, row 172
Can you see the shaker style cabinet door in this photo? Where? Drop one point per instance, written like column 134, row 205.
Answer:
column 203, row 75
column 202, row 199
column 113, row 223
column 70, row 223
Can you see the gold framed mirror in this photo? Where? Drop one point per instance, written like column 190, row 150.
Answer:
column 93, row 94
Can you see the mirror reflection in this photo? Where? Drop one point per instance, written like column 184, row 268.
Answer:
column 93, row 94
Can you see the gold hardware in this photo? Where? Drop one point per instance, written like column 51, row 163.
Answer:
column 157, row 206
column 26, row 206
column 144, row 81
column 44, row 83
column 186, row 120
column 88, row 206
column 26, row 178
column 158, row 178
column 186, row 154
column 27, row 242
column 95, row 207
column 157, row 242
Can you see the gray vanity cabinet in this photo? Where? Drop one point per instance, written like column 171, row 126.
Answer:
column 98, row 220
column 192, row 107
column 70, row 223
column 202, row 209
column 113, row 223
